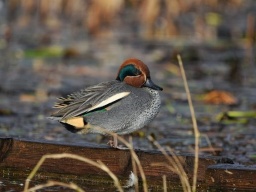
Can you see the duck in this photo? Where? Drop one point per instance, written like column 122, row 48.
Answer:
column 120, row 106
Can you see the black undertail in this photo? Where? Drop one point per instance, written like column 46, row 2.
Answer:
column 70, row 127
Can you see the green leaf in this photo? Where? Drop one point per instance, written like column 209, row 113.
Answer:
column 240, row 117
column 213, row 19
column 46, row 52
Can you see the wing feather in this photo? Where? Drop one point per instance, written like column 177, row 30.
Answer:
column 89, row 99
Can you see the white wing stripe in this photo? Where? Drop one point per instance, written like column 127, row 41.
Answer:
column 109, row 100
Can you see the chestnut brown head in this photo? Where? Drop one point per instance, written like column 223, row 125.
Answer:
column 135, row 73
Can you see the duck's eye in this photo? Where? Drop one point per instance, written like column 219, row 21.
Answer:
column 128, row 70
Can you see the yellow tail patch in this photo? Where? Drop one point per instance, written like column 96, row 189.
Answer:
column 77, row 122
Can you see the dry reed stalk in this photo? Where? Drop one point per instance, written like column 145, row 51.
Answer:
column 148, row 14
column 195, row 127
column 134, row 168
column 249, row 58
column 182, row 171
column 173, row 169
column 175, row 163
column 209, row 143
column 164, row 184
column 102, row 13
column 173, row 8
column 250, row 32
column 98, row 164
column 55, row 183
column 134, row 156
column 28, row 6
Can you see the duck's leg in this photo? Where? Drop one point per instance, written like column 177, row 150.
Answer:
column 114, row 143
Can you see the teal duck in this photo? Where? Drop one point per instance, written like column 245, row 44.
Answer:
column 120, row 106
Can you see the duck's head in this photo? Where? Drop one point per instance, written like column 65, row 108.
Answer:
column 135, row 73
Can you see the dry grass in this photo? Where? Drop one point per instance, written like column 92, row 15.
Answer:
column 175, row 163
column 134, row 168
column 135, row 159
column 98, row 164
column 174, row 166
column 56, row 183
column 195, row 127
column 158, row 19
column 164, row 184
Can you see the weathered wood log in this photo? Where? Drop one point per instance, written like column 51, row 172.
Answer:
column 18, row 158
column 231, row 177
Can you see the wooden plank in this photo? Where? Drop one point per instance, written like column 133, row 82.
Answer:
column 18, row 158
column 231, row 177
column 23, row 155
